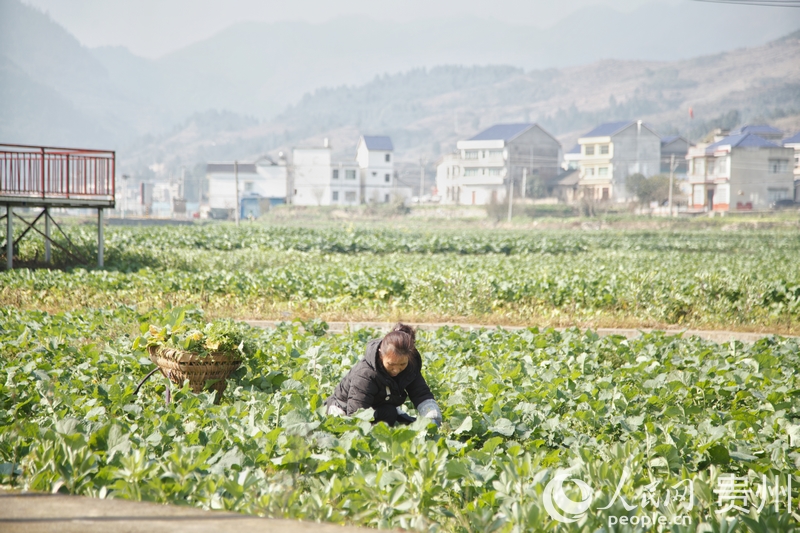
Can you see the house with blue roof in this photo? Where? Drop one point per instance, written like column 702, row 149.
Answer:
column 765, row 131
column 740, row 172
column 375, row 157
column 613, row 151
column 521, row 157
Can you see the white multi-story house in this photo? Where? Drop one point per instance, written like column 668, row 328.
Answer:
column 263, row 182
column 369, row 178
column 613, row 151
column 793, row 142
column 480, row 171
column 740, row 172
column 375, row 159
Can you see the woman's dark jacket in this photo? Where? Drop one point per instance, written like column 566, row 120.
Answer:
column 369, row 385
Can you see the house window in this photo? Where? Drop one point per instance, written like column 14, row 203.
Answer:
column 776, row 166
column 387, row 178
column 350, row 196
column 496, row 154
column 388, row 158
column 386, row 199
column 335, row 195
column 248, row 186
column 374, row 174
column 588, row 149
column 494, row 171
column 471, row 171
column 722, row 165
column 602, row 171
column 470, row 154
column 590, row 171
column 700, row 166
column 336, row 173
column 773, row 195
column 605, row 193
column 349, row 175
column 604, row 150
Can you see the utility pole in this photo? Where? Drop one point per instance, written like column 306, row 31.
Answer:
column 236, row 179
column 524, row 182
column 672, row 167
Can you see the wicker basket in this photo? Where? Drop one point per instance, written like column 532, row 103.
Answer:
column 209, row 371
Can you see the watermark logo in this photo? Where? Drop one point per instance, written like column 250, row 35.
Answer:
column 556, row 501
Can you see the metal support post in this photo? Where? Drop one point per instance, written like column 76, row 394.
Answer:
column 47, row 251
column 100, row 242
column 9, row 240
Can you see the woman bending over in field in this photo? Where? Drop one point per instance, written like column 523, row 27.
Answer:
column 390, row 372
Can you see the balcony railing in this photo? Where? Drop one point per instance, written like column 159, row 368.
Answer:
column 39, row 175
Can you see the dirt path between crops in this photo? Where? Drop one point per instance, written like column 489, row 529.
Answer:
column 33, row 512
column 710, row 335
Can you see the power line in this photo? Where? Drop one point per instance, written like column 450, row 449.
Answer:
column 766, row 3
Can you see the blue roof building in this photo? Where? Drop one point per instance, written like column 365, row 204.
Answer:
column 741, row 172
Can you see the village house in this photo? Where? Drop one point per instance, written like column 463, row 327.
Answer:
column 793, row 142
column 481, row 169
column 741, row 172
column 613, row 151
column 369, row 178
column 261, row 184
column 674, row 146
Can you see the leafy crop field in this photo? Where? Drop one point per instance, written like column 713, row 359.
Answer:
column 710, row 279
column 544, row 430
column 633, row 420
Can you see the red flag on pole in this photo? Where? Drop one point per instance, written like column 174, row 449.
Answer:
column 691, row 113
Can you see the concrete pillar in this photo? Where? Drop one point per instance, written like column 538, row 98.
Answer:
column 47, row 253
column 9, row 240
column 100, row 241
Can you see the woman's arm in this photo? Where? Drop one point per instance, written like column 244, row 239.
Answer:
column 361, row 394
column 423, row 400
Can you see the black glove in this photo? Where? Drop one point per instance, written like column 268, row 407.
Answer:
column 405, row 419
column 386, row 413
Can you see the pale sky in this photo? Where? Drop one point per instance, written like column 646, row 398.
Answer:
column 152, row 28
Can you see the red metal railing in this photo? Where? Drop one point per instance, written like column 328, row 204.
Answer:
column 46, row 173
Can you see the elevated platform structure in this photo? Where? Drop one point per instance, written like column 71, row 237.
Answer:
column 46, row 177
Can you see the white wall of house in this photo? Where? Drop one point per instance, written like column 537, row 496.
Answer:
column 740, row 178
column 263, row 180
column 312, row 176
column 607, row 161
column 477, row 172
column 376, row 173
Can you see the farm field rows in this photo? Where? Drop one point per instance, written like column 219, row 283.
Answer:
column 718, row 280
column 658, row 423
column 658, row 428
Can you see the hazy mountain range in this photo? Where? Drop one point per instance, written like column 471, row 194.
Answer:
column 257, row 87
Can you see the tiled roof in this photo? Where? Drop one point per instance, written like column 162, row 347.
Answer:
column 758, row 129
column 575, row 149
column 794, row 139
column 740, row 141
column 378, row 142
column 502, row 132
column 609, row 128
